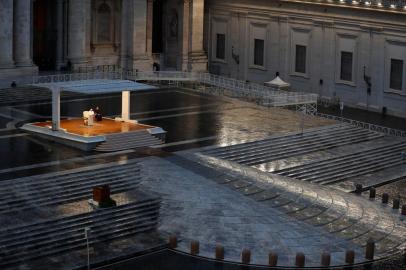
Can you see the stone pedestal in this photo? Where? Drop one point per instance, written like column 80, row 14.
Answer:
column 6, row 34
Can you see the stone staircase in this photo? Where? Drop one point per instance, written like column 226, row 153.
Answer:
column 343, row 167
column 128, row 140
column 54, row 189
column 276, row 148
column 59, row 236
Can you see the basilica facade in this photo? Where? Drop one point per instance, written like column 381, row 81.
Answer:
column 351, row 51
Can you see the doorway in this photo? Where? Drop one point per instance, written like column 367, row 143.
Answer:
column 44, row 34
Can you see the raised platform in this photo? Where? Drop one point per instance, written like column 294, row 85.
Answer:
column 74, row 133
column 107, row 126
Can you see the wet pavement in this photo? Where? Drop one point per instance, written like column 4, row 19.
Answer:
column 240, row 206
column 365, row 116
column 191, row 120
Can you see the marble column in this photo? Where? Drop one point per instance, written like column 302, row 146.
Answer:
column 150, row 22
column 185, row 34
column 6, row 34
column 125, row 7
column 198, row 57
column 22, row 33
column 60, row 41
column 78, row 41
column 140, row 59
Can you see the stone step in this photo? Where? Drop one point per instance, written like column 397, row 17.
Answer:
column 37, row 195
column 80, row 244
column 120, row 147
column 359, row 162
column 129, row 143
column 48, row 188
column 366, row 170
column 273, row 139
column 308, row 149
column 51, row 178
column 238, row 149
column 66, row 198
column 339, row 159
column 64, row 221
column 114, row 231
column 125, row 141
column 46, row 238
column 293, row 145
column 137, row 134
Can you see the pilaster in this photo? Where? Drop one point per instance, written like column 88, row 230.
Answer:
column 6, row 34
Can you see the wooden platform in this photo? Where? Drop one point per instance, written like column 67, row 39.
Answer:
column 107, row 126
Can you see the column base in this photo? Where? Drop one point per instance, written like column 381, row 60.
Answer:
column 198, row 61
column 7, row 65
column 78, row 64
column 142, row 63
column 25, row 63
column 21, row 75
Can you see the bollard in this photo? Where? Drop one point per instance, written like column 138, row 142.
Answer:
column 403, row 212
column 396, row 203
column 173, row 241
column 372, row 193
column 273, row 259
column 194, row 247
column 358, row 189
column 219, row 252
column 349, row 257
column 385, row 198
column 300, row 259
column 370, row 249
column 325, row 259
column 246, row 256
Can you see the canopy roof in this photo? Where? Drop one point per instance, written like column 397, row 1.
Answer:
column 278, row 82
column 100, row 86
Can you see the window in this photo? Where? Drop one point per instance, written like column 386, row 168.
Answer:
column 396, row 74
column 259, row 52
column 346, row 66
column 300, row 62
column 221, row 46
column 104, row 29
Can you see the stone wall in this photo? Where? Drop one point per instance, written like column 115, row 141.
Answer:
column 372, row 36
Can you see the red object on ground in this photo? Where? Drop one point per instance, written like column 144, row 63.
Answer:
column 101, row 193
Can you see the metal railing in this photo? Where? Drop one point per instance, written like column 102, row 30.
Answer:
column 383, row 4
column 215, row 84
column 381, row 129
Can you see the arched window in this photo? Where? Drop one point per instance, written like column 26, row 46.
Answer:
column 104, row 24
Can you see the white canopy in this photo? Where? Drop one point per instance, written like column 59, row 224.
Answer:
column 278, row 83
column 102, row 86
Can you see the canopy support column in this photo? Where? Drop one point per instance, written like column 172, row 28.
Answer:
column 56, row 109
column 125, row 105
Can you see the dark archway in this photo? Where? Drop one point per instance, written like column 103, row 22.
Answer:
column 157, row 27
column 44, row 34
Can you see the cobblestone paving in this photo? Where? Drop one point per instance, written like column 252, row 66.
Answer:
column 251, row 209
